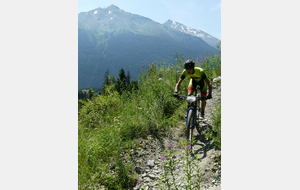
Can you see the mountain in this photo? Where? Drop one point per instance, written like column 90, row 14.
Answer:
column 210, row 40
column 111, row 38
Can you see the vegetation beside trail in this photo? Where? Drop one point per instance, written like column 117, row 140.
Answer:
column 110, row 123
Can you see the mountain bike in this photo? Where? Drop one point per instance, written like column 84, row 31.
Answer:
column 193, row 113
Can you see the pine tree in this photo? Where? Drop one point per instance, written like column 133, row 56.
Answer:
column 106, row 80
column 128, row 78
column 91, row 94
column 121, row 82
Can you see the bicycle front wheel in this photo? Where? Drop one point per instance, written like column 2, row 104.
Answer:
column 189, row 128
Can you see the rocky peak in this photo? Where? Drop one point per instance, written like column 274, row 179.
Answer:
column 168, row 22
column 113, row 8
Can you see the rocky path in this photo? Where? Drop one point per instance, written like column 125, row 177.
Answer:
column 148, row 156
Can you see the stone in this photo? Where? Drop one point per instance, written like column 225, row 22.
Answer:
column 217, row 79
column 150, row 163
column 152, row 176
column 155, row 171
column 138, row 169
column 147, row 179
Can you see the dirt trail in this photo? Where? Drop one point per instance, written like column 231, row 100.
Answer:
column 147, row 158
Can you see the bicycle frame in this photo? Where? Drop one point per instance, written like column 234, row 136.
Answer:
column 194, row 106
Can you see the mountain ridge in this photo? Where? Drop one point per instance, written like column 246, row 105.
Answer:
column 111, row 38
column 209, row 39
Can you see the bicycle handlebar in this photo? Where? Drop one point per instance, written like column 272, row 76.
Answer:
column 184, row 97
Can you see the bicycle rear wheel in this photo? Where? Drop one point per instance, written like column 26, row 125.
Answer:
column 189, row 129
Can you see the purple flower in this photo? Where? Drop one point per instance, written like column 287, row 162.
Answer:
column 163, row 158
column 189, row 146
column 171, row 144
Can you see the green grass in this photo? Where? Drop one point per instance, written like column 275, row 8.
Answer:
column 108, row 125
column 216, row 133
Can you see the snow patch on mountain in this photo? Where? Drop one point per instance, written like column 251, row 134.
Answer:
column 212, row 41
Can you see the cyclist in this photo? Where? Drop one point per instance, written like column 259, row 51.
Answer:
column 198, row 77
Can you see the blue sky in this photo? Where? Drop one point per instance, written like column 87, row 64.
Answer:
column 198, row 14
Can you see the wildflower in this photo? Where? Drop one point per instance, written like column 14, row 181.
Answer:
column 189, row 146
column 163, row 158
column 171, row 144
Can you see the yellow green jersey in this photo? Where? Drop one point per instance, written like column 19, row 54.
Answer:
column 197, row 78
column 198, row 74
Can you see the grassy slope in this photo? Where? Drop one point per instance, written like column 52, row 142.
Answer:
column 109, row 124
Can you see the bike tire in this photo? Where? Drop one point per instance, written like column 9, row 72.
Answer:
column 189, row 128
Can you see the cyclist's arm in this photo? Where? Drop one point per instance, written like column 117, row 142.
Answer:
column 178, row 84
column 209, row 86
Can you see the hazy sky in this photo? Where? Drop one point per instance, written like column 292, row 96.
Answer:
column 198, row 14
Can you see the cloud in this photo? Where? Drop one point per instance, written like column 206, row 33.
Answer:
column 216, row 8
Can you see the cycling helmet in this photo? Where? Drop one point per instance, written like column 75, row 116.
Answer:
column 189, row 64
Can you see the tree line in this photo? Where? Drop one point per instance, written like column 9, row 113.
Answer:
column 121, row 84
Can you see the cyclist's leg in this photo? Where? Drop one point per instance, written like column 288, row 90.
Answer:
column 203, row 87
column 191, row 89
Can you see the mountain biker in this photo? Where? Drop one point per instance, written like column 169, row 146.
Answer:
column 197, row 77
